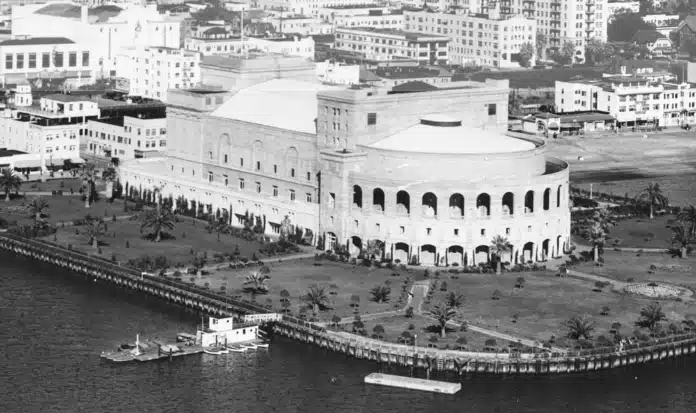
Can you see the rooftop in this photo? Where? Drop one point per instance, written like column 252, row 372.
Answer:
column 280, row 103
column 356, row 6
column 99, row 14
column 9, row 152
column 33, row 41
column 395, row 32
column 60, row 97
column 441, row 134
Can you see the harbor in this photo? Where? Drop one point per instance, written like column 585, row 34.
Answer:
column 413, row 383
column 218, row 336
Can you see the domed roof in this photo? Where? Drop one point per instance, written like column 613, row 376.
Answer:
column 445, row 135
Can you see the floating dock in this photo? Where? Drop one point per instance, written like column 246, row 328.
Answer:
column 413, row 383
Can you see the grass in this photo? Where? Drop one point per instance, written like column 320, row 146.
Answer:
column 61, row 208
column 545, row 303
column 426, row 328
column 627, row 266
column 296, row 276
column 52, row 185
column 643, row 232
column 176, row 250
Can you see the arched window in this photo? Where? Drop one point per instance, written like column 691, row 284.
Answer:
column 529, row 202
column 403, row 202
column 547, row 199
column 508, row 203
column 357, row 196
column 378, row 200
column 483, row 204
column 456, row 205
column 558, row 196
column 429, row 204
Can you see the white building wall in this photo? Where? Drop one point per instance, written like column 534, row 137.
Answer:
column 136, row 136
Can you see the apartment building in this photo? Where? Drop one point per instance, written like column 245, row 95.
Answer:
column 361, row 16
column 126, row 137
column 50, row 128
column 632, row 100
column 486, row 40
column 229, row 44
column 305, row 7
column 388, row 44
column 151, row 71
column 614, row 7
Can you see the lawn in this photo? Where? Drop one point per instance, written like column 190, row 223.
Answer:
column 545, row 303
column 426, row 328
column 340, row 280
column 643, row 232
column 52, row 185
column 628, row 266
column 61, row 208
column 188, row 238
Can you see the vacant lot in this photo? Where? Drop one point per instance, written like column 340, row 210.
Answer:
column 340, row 281
column 627, row 266
column 125, row 241
column 545, row 303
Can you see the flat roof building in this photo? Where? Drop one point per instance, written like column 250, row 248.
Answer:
column 391, row 44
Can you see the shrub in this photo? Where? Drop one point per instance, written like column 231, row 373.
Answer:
column 409, row 312
column 127, row 244
column 411, row 326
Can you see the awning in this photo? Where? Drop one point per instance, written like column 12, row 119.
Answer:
column 55, row 162
column 33, row 163
column 571, row 125
column 77, row 160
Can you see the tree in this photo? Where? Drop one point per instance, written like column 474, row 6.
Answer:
column 541, row 42
column 158, row 219
column 95, row 228
column 256, row 281
column 651, row 316
column 520, row 282
column 109, row 176
column 597, row 52
column 568, row 53
column 378, row 330
column 526, row 54
column 461, row 343
column 374, row 249
column 88, row 175
column 37, row 209
column 442, row 313
column 316, row 298
column 688, row 215
column 9, row 181
column 217, row 226
column 380, row 293
column 597, row 238
column 285, row 228
column 499, row 246
column 335, row 320
column 653, row 196
column 682, row 239
column 580, row 327
column 625, row 25
column 454, row 300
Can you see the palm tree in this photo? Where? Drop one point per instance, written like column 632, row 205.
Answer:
column 88, row 175
column 285, row 228
column 9, row 181
column 109, row 176
column 95, row 228
column 499, row 246
column 682, row 238
column 688, row 214
column 158, row 219
column 316, row 298
column 374, row 249
column 653, row 196
column 597, row 238
column 580, row 327
column 651, row 316
column 255, row 282
column 37, row 209
column 602, row 217
column 454, row 300
column 442, row 313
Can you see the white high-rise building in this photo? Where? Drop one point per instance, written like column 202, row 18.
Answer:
column 150, row 72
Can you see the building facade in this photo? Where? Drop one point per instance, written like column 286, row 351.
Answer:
column 485, row 40
column 283, row 45
column 614, row 7
column 387, row 44
column 44, row 58
column 151, row 71
column 51, row 128
column 126, row 137
column 632, row 100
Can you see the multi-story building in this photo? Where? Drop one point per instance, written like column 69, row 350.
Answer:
column 414, row 172
column 662, row 20
column 575, row 21
column 614, row 7
column 44, row 57
column 305, row 7
column 51, row 128
column 486, row 40
column 361, row 16
column 296, row 24
column 632, row 100
column 235, row 72
column 224, row 44
column 102, row 30
column 387, row 44
column 126, row 137
column 151, row 71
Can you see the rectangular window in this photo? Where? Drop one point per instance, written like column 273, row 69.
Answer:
column 492, row 109
column 275, row 169
column 456, row 232
column 45, row 60
column 483, row 232
column 210, row 153
column 241, row 183
column 225, row 157
column 309, row 176
column 226, row 179
column 72, row 59
column 85, row 59
column 292, row 194
column 20, row 60
column 292, row 172
column 275, row 190
column 507, row 231
column 371, row 119
column 58, row 59
column 309, row 197
column 258, row 165
column 332, row 200
column 241, row 161
column 429, row 231
column 258, row 187
column 9, row 59
column 32, row 61
column 210, row 177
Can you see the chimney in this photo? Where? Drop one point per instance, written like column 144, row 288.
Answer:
column 84, row 13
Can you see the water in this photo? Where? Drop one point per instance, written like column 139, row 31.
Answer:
column 53, row 325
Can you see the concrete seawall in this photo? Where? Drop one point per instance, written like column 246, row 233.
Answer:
column 458, row 362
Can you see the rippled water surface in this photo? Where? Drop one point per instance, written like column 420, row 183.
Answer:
column 54, row 324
